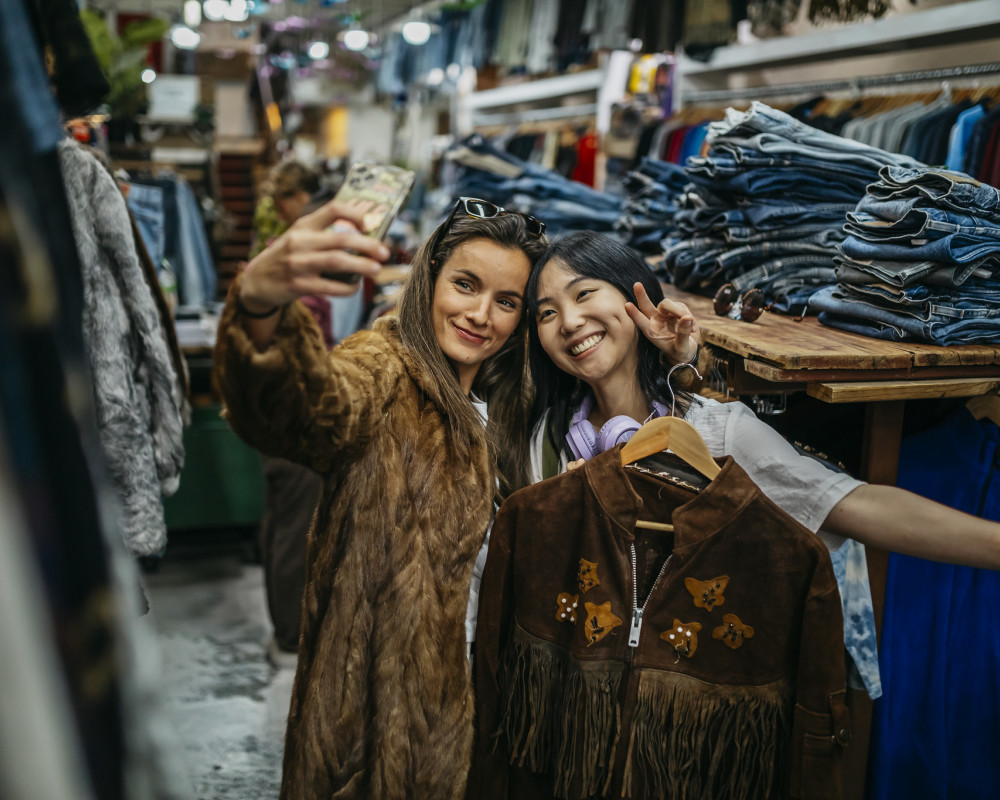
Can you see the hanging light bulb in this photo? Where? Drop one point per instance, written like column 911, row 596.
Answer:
column 237, row 11
column 356, row 39
column 148, row 75
column 416, row 32
column 183, row 38
column 318, row 50
column 215, row 10
column 192, row 13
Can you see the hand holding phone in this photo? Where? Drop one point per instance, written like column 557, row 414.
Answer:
column 378, row 192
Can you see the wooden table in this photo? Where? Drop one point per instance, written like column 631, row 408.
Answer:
column 781, row 355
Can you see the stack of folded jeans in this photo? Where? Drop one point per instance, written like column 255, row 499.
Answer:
column 767, row 206
column 479, row 169
column 651, row 202
column 921, row 261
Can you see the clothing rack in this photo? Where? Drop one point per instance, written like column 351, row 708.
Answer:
column 852, row 84
column 535, row 115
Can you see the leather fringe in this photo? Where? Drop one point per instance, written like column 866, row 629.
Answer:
column 693, row 740
column 561, row 717
column 688, row 739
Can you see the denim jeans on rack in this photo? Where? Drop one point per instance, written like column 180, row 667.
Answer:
column 793, row 184
column 942, row 321
column 849, row 271
column 788, row 283
column 786, row 134
column 953, row 248
column 146, row 204
column 670, row 176
column 727, row 158
column 921, row 223
column 698, row 267
column 954, row 190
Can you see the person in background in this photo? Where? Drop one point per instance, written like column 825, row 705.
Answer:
column 291, row 491
column 413, row 426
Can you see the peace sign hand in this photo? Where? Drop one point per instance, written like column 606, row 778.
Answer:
column 670, row 325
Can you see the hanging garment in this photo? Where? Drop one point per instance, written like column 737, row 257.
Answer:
column 137, row 395
column 730, row 682
column 936, row 728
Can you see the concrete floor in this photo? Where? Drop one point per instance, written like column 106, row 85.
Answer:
column 226, row 702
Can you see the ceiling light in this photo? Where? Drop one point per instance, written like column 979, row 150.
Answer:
column 356, row 39
column 183, row 38
column 148, row 75
column 215, row 10
column 416, row 32
column 435, row 76
column 318, row 50
column 237, row 11
column 192, row 13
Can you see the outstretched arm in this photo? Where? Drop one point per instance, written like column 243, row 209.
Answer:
column 895, row 519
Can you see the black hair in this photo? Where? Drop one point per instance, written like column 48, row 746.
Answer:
column 597, row 256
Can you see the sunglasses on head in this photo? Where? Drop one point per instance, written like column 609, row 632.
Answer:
column 729, row 303
column 484, row 209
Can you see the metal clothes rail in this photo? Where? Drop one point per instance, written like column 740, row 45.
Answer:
column 822, row 87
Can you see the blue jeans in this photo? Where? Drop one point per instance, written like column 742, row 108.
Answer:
column 923, row 223
column 772, row 131
column 953, row 248
column 907, row 273
column 788, row 283
column 954, row 190
column 146, row 205
column 943, row 320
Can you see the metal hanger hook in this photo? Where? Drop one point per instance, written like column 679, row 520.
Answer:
column 670, row 388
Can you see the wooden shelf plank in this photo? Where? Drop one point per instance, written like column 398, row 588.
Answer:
column 880, row 391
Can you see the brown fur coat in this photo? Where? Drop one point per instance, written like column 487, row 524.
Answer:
column 382, row 703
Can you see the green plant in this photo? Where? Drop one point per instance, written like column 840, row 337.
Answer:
column 123, row 58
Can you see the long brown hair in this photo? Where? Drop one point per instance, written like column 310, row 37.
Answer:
column 502, row 380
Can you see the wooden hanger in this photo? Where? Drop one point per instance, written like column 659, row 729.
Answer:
column 682, row 439
column 676, row 434
column 986, row 406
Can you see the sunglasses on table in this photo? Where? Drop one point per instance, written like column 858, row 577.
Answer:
column 729, row 303
column 483, row 209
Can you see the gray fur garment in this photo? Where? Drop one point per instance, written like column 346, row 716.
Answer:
column 136, row 393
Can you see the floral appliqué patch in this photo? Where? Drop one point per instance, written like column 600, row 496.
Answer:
column 600, row 621
column 707, row 594
column 683, row 637
column 587, row 576
column 732, row 631
column 566, row 607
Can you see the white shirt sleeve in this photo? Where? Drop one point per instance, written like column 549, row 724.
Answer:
column 802, row 486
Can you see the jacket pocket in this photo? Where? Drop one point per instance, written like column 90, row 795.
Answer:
column 817, row 747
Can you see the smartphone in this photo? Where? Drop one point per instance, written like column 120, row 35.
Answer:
column 379, row 192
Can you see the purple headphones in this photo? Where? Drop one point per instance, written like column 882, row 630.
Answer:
column 586, row 443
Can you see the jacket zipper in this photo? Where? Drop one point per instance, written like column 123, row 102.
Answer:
column 637, row 610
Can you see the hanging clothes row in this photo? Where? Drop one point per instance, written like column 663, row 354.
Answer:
column 173, row 229
column 80, row 712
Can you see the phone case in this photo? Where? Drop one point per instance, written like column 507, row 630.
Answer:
column 379, row 192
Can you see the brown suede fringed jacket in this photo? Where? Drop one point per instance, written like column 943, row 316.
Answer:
column 382, row 702
column 735, row 686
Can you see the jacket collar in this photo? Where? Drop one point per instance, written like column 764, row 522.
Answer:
column 704, row 514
